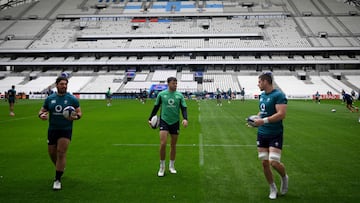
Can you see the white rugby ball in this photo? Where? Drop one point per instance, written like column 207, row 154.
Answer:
column 68, row 111
column 65, row 74
column 333, row 110
column 155, row 122
column 251, row 120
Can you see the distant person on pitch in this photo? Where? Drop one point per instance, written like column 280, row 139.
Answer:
column 170, row 101
column 218, row 97
column 108, row 96
column 242, row 94
column 349, row 102
column 49, row 91
column 11, row 96
column 60, row 128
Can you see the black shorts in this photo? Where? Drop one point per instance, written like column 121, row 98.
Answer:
column 54, row 135
column 172, row 129
column 349, row 102
column 266, row 142
column 11, row 100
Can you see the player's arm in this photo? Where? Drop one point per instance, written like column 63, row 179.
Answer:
column 154, row 111
column 78, row 114
column 280, row 113
column 156, row 108
column 278, row 116
column 184, row 114
column 43, row 114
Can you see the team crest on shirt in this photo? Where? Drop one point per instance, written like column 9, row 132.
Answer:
column 171, row 102
column 262, row 107
column 268, row 99
column 53, row 101
column 58, row 108
column 65, row 101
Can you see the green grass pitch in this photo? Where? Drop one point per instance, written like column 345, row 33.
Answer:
column 113, row 156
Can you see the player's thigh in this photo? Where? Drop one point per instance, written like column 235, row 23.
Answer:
column 174, row 138
column 263, row 149
column 63, row 144
column 275, row 150
column 163, row 136
column 52, row 149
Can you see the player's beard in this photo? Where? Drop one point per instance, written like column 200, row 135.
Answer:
column 62, row 90
column 173, row 89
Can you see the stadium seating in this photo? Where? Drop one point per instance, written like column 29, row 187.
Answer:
column 354, row 79
column 101, row 83
column 162, row 75
column 7, row 82
column 223, row 82
column 76, row 83
column 249, row 82
column 231, row 42
column 36, row 85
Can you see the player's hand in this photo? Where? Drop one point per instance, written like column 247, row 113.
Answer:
column 44, row 116
column 73, row 117
column 248, row 125
column 185, row 123
column 258, row 122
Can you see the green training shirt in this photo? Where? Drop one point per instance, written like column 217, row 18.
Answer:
column 11, row 93
column 267, row 108
column 55, row 104
column 170, row 105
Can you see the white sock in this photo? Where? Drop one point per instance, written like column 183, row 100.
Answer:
column 273, row 185
column 172, row 163
column 162, row 163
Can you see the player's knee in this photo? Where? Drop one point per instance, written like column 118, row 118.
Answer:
column 266, row 164
column 263, row 156
column 274, row 157
column 163, row 144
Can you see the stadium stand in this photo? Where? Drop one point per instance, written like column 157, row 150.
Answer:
column 162, row 75
column 140, row 77
column 5, row 84
column 76, row 83
column 354, row 79
column 101, row 83
column 229, row 42
column 37, row 85
column 221, row 81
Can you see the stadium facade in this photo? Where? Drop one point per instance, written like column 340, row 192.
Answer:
column 118, row 37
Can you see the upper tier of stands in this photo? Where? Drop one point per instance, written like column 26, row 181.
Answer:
column 90, row 82
column 34, row 26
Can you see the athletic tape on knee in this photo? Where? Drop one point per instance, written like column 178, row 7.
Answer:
column 273, row 156
column 263, row 155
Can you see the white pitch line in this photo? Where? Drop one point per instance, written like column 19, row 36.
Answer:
column 200, row 145
column 18, row 118
column 201, row 150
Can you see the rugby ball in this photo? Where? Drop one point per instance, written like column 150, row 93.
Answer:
column 65, row 74
column 155, row 122
column 68, row 112
column 333, row 110
column 251, row 120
